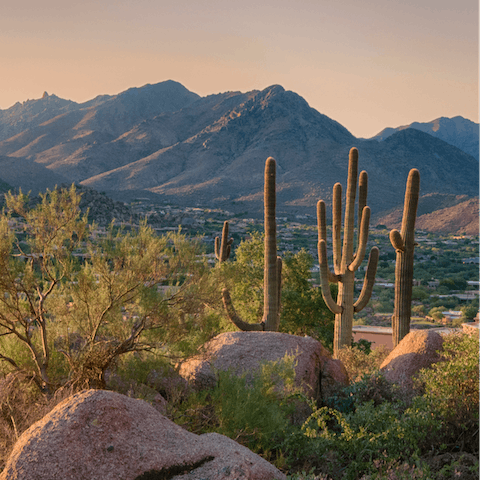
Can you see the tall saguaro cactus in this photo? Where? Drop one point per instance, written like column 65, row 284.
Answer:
column 404, row 244
column 344, row 260
column 223, row 249
column 273, row 264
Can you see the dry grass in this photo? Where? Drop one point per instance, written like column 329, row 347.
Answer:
column 21, row 405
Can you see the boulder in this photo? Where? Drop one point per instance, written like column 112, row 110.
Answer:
column 419, row 349
column 99, row 434
column 316, row 372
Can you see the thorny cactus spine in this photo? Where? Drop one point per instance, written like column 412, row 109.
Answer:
column 404, row 244
column 273, row 264
column 223, row 249
column 345, row 261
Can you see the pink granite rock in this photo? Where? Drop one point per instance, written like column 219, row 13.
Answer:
column 99, row 434
column 316, row 372
column 417, row 350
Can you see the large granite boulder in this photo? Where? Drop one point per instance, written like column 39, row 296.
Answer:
column 316, row 371
column 419, row 349
column 99, row 434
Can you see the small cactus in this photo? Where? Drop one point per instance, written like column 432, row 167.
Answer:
column 223, row 249
column 345, row 261
column 273, row 264
column 404, row 244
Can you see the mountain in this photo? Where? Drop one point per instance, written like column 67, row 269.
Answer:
column 5, row 187
column 457, row 131
column 29, row 176
column 167, row 143
column 456, row 214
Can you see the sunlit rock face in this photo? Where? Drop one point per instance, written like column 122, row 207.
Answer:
column 99, row 434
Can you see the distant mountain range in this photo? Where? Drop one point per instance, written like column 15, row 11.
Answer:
column 171, row 145
column 457, row 131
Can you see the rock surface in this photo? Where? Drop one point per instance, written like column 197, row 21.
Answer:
column 99, row 434
column 417, row 350
column 316, row 372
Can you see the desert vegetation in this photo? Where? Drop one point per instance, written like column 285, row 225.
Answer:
column 119, row 308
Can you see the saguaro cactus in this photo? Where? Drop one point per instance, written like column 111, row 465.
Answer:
column 345, row 261
column 223, row 249
column 404, row 244
column 273, row 264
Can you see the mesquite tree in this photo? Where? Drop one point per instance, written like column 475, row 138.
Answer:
column 345, row 261
column 404, row 244
column 273, row 264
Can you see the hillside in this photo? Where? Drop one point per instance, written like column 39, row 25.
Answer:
column 455, row 214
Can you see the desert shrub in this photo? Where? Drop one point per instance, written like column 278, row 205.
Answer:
column 396, row 470
column 451, row 392
column 351, row 442
column 255, row 409
column 369, row 388
column 358, row 361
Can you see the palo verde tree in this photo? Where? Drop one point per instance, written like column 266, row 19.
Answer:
column 36, row 247
column 404, row 244
column 345, row 261
column 84, row 313
column 273, row 264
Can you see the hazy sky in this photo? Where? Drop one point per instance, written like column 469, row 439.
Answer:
column 368, row 64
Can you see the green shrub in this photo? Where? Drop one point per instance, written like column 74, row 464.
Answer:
column 451, row 392
column 373, row 387
column 255, row 409
column 359, row 361
column 354, row 441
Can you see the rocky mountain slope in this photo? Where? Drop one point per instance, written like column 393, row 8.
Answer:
column 457, row 131
column 167, row 143
column 456, row 214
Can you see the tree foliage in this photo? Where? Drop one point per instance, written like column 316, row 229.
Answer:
column 80, row 301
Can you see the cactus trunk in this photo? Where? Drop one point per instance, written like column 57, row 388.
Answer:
column 273, row 264
column 404, row 244
column 270, row 289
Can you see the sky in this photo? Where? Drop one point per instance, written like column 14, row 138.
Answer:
column 367, row 64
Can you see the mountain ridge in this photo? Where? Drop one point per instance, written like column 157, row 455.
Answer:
column 186, row 149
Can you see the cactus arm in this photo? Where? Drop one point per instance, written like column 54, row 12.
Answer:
column 322, row 235
column 368, row 281
column 223, row 249
column 235, row 319
column 412, row 193
column 362, row 195
column 321, row 220
column 337, row 227
column 363, row 237
column 324, row 271
column 229, row 247
column 347, row 252
column 397, row 241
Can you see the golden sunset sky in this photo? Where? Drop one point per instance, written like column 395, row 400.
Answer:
column 367, row 64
